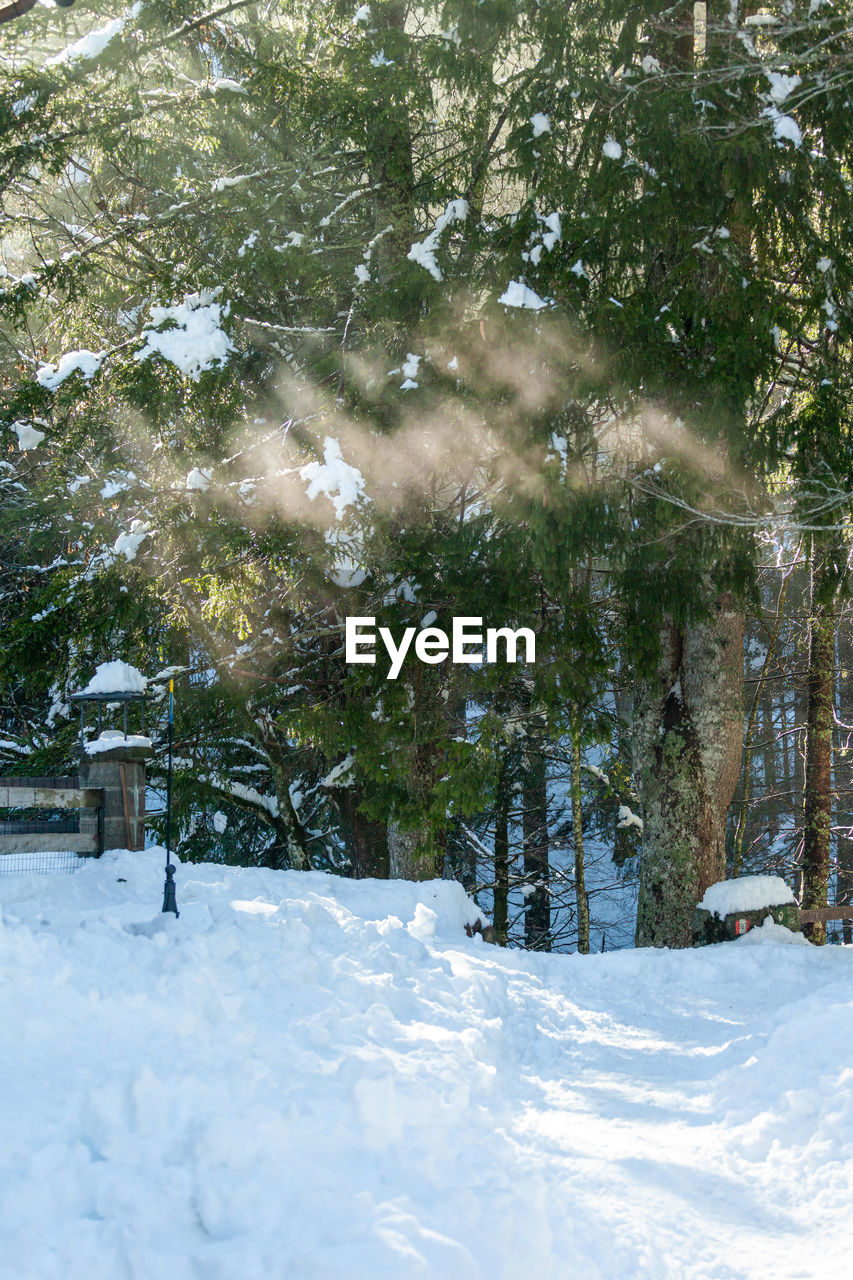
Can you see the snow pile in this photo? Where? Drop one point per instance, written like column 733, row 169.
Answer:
column 311, row 1077
column 746, row 893
column 770, row 931
column 112, row 738
column 116, row 677
column 189, row 334
column 342, row 484
column 83, row 362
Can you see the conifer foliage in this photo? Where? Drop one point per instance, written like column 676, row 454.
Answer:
column 527, row 312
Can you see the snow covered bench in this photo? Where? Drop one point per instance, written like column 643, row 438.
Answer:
column 733, row 907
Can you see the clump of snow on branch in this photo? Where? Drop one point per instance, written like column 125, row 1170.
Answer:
column 627, row 818
column 612, row 149
column 28, row 436
column 785, row 128
column 409, row 370
column 781, row 86
column 128, row 543
column 87, row 363
column 199, row 479
column 341, row 483
column 117, row 677
column 424, row 252
column 189, row 334
column 521, row 295
column 341, row 775
column 541, row 124
column 224, row 85
column 24, row 104
column 91, row 45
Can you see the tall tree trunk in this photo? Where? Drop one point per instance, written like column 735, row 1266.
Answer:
column 623, row 843
column 844, row 783
column 770, row 752
column 501, row 891
column 817, row 808
column 577, row 843
column 290, row 849
column 749, row 737
column 410, row 854
column 688, row 740
column 844, row 892
column 537, row 908
column 366, row 840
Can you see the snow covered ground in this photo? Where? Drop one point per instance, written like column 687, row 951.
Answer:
column 306, row 1078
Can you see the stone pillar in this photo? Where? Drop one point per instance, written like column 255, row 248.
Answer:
column 120, row 771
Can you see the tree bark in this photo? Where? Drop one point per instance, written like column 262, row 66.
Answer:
column 688, row 740
column 577, row 842
column 410, row 855
column 817, row 808
column 501, row 891
column 366, row 840
column 535, row 850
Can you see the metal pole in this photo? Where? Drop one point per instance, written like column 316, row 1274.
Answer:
column 169, row 900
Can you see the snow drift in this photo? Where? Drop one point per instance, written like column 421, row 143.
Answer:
column 311, row 1078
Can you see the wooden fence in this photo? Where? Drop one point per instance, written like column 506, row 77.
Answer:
column 819, row 915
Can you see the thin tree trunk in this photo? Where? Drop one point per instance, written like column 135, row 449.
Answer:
column 688, row 740
column 844, row 783
column 817, row 808
column 770, row 751
column 537, row 909
column 844, row 892
column 623, row 843
column 577, row 844
column 501, row 892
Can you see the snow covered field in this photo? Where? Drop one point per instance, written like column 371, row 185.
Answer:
column 307, row 1078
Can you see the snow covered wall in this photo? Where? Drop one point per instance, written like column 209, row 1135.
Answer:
column 309, row 1078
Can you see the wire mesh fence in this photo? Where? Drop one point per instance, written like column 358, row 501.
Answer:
column 24, row 864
